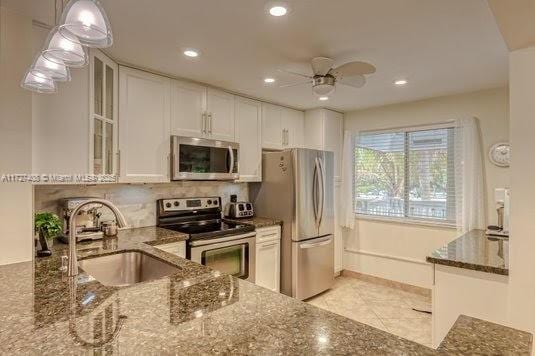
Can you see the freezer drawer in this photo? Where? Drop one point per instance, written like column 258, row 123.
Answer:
column 313, row 263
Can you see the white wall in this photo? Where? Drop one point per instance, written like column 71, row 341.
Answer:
column 15, row 138
column 397, row 251
column 522, row 240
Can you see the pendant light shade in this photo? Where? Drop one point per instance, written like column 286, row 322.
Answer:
column 56, row 71
column 86, row 21
column 62, row 50
column 38, row 82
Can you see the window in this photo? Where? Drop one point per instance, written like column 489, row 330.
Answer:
column 406, row 174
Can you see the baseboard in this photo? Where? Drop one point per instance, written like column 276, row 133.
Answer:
column 404, row 270
column 387, row 282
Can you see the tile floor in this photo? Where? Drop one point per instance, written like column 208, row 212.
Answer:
column 382, row 307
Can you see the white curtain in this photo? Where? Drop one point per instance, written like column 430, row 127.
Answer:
column 469, row 180
column 347, row 214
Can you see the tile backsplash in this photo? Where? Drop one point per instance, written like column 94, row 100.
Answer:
column 136, row 201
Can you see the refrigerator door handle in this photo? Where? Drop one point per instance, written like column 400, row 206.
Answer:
column 322, row 190
column 315, row 192
column 316, row 244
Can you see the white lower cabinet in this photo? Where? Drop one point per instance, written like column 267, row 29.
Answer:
column 268, row 262
column 175, row 248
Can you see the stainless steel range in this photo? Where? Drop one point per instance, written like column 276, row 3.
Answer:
column 214, row 242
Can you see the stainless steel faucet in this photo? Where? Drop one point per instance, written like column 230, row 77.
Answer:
column 72, row 268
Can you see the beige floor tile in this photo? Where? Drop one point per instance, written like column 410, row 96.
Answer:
column 379, row 293
column 344, row 295
column 352, row 311
column 393, row 309
column 418, row 330
column 374, row 322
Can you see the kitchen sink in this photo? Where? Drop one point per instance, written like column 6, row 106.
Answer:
column 126, row 268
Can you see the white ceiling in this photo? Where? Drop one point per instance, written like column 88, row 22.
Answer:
column 441, row 46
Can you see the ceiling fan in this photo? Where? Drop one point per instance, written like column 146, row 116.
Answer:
column 325, row 76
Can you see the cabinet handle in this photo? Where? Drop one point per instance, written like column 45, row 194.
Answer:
column 119, row 162
column 210, row 121
column 203, row 122
column 269, row 245
column 287, row 137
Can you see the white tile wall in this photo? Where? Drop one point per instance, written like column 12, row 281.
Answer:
column 136, row 201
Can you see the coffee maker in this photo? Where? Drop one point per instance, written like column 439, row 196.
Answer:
column 502, row 199
column 87, row 221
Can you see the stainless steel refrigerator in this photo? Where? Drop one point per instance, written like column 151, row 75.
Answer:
column 298, row 188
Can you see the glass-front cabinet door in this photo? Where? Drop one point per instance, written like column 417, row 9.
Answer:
column 103, row 93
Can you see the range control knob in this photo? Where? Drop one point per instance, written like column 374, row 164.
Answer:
column 167, row 205
column 209, row 202
column 176, row 203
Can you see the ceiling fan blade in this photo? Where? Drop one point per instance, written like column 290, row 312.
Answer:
column 294, row 84
column 295, row 73
column 321, row 65
column 352, row 68
column 356, row 81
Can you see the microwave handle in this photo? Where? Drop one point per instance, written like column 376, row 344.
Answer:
column 231, row 153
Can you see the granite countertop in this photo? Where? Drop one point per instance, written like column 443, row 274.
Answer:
column 257, row 221
column 471, row 336
column 476, row 251
column 194, row 311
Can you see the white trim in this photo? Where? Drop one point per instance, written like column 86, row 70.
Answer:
column 422, row 127
column 407, row 221
column 390, row 257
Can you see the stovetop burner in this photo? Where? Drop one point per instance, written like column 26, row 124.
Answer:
column 198, row 217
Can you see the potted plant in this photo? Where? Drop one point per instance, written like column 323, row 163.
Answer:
column 48, row 226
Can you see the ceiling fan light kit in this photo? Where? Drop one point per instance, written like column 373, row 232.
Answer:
column 83, row 24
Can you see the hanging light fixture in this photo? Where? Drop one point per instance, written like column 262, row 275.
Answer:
column 56, row 71
column 86, row 21
column 38, row 82
column 64, row 50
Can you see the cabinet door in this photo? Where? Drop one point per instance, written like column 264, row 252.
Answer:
column 220, row 109
column 103, row 116
column 267, row 265
column 144, row 118
column 294, row 123
column 188, row 101
column 333, row 137
column 249, row 136
column 272, row 131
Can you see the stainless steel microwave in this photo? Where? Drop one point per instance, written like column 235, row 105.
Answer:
column 203, row 159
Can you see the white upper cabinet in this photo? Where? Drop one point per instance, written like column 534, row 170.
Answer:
column 324, row 131
column 272, row 134
column 220, row 115
column 293, row 122
column 103, row 114
column 248, row 135
column 197, row 111
column 144, row 119
column 281, row 127
column 188, row 102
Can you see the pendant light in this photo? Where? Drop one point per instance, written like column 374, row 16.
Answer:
column 38, row 82
column 56, row 71
column 86, row 21
column 62, row 50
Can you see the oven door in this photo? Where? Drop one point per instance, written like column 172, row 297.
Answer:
column 202, row 159
column 234, row 255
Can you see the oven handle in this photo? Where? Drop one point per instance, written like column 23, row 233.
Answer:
column 222, row 239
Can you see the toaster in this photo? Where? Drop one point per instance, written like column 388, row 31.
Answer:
column 238, row 209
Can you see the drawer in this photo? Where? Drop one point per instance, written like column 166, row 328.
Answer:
column 266, row 234
column 175, row 248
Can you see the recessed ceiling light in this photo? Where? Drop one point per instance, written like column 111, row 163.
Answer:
column 400, row 82
column 190, row 52
column 278, row 11
column 277, row 8
column 323, row 98
column 269, row 80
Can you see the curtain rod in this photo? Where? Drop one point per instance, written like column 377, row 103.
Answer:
column 432, row 124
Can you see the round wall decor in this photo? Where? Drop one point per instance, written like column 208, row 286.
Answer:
column 500, row 154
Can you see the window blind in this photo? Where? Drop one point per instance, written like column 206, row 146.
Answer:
column 406, row 174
